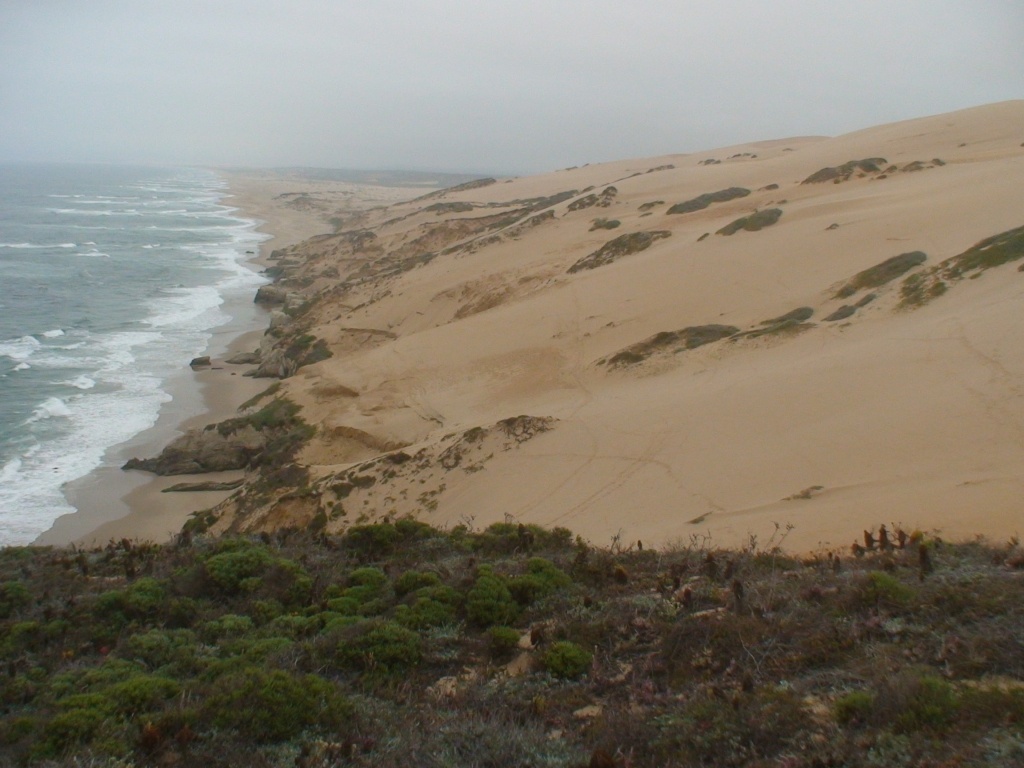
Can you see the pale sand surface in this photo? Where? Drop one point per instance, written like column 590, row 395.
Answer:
column 113, row 503
column 902, row 417
column 907, row 417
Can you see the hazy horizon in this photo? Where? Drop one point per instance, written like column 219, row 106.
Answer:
column 444, row 87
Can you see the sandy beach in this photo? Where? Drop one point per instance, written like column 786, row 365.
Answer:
column 113, row 503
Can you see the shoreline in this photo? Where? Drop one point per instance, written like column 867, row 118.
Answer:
column 111, row 503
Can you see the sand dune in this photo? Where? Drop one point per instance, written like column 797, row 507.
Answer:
column 449, row 314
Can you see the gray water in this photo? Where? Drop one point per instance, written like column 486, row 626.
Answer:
column 111, row 279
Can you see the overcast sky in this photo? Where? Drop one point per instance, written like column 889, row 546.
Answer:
column 480, row 85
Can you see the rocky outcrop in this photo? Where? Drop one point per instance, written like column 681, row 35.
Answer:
column 210, row 485
column 270, row 294
column 200, row 362
column 204, row 450
column 275, row 364
column 244, row 358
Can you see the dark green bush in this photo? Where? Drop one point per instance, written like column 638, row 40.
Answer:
column 425, row 613
column 13, row 596
column 372, row 540
column 880, row 588
column 274, row 706
column 232, row 571
column 855, row 707
column 158, row 648
column 410, row 581
column 566, row 659
column 381, row 647
column 541, row 579
column 503, row 641
column 489, row 601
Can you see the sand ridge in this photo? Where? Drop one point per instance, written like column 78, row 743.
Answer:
column 453, row 313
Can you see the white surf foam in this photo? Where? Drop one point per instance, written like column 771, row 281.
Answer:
column 32, row 246
column 20, row 349
column 51, row 407
column 120, row 390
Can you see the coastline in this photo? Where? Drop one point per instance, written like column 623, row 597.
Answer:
column 112, row 503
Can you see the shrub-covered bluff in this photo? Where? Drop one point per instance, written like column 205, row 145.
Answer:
column 398, row 644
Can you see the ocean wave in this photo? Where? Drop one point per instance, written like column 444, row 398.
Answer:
column 51, row 407
column 27, row 246
column 185, row 305
column 22, row 367
column 20, row 349
column 81, row 212
column 55, row 333
column 9, row 470
column 119, row 376
column 82, row 382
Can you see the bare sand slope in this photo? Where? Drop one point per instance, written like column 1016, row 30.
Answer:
column 450, row 314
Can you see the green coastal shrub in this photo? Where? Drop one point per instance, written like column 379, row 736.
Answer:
column 424, row 613
column 489, row 601
column 234, row 570
column 274, row 706
column 541, row 579
column 854, row 707
column 372, row 540
column 502, row 641
column 380, row 647
column 163, row 648
column 567, row 660
column 410, row 581
column 13, row 596
column 880, row 588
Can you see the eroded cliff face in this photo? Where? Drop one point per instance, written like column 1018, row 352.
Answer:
column 670, row 378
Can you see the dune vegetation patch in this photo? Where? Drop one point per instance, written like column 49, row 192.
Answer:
column 842, row 313
column 840, row 173
column 792, row 322
column 602, row 200
column 882, row 273
column 623, row 245
column 456, row 207
column 602, row 223
column 701, row 202
column 922, row 287
column 669, row 341
column 753, row 222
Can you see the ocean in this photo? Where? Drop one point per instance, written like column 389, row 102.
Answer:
column 111, row 279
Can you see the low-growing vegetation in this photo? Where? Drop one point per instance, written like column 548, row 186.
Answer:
column 670, row 341
column 880, row 274
column 623, row 245
column 840, row 173
column 753, row 222
column 701, row 202
column 398, row 644
column 922, row 287
column 603, row 223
